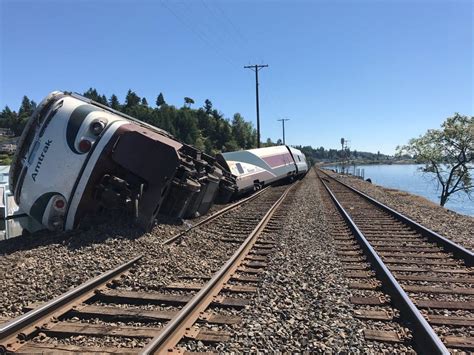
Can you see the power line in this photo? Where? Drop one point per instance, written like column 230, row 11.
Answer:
column 213, row 25
column 220, row 23
column 236, row 29
column 202, row 36
column 256, row 68
column 271, row 104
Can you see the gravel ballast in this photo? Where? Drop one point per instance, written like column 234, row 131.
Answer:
column 301, row 305
column 303, row 301
column 37, row 270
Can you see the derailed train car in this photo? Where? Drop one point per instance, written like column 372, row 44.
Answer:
column 256, row 168
column 77, row 157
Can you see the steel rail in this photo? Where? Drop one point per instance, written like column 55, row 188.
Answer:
column 173, row 332
column 425, row 338
column 28, row 319
column 215, row 215
column 458, row 251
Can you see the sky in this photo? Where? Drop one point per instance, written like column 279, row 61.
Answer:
column 374, row 72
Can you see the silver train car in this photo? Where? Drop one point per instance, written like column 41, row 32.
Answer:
column 256, row 168
column 77, row 157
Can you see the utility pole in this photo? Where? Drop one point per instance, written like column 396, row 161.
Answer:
column 256, row 68
column 283, row 124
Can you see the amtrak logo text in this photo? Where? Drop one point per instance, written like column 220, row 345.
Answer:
column 40, row 159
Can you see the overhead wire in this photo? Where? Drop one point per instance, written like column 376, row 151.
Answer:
column 208, row 36
column 212, row 32
column 221, row 26
column 239, row 34
column 225, row 25
column 199, row 34
column 270, row 106
column 218, row 29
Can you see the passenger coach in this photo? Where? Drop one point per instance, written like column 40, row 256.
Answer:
column 256, row 168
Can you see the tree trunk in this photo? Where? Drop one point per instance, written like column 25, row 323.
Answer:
column 443, row 199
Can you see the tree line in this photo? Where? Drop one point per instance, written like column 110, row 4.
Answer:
column 16, row 121
column 335, row 155
column 205, row 127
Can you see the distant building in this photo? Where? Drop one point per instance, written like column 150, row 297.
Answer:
column 6, row 132
column 8, row 148
column 4, row 171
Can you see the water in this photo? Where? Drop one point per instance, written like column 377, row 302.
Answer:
column 408, row 178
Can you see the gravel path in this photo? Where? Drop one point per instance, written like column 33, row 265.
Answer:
column 457, row 227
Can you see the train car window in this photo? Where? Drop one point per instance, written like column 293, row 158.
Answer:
column 239, row 168
column 299, row 159
column 50, row 117
column 23, row 147
column 33, row 152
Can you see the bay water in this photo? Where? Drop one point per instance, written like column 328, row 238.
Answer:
column 407, row 177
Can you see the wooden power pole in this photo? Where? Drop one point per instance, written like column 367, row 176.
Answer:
column 283, row 124
column 256, row 68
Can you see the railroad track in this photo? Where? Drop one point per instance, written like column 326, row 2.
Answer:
column 214, row 216
column 195, row 309
column 402, row 273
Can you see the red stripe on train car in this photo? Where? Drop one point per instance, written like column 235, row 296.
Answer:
column 278, row 160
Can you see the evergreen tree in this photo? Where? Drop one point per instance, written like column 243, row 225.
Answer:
column 26, row 108
column 92, row 94
column 10, row 119
column 186, row 127
column 231, row 146
column 103, row 100
column 132, row 99
column 160, row 100
column 167, row 119
column 114, row 102
column 7, row 117
column 208, row 106
column 144, row 102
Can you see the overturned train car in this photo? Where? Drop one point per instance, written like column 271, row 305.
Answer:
column 256, row 168
column 77, row 157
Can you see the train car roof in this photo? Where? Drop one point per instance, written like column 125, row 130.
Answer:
column 260, row 152
column 295, row 150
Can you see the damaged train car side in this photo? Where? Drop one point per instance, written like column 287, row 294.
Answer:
column 76, row 157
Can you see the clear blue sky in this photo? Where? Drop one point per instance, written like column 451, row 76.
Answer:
column 374, row 72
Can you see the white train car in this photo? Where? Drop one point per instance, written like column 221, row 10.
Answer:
column 300, row 161
column 76, row 157
column 256, row 168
